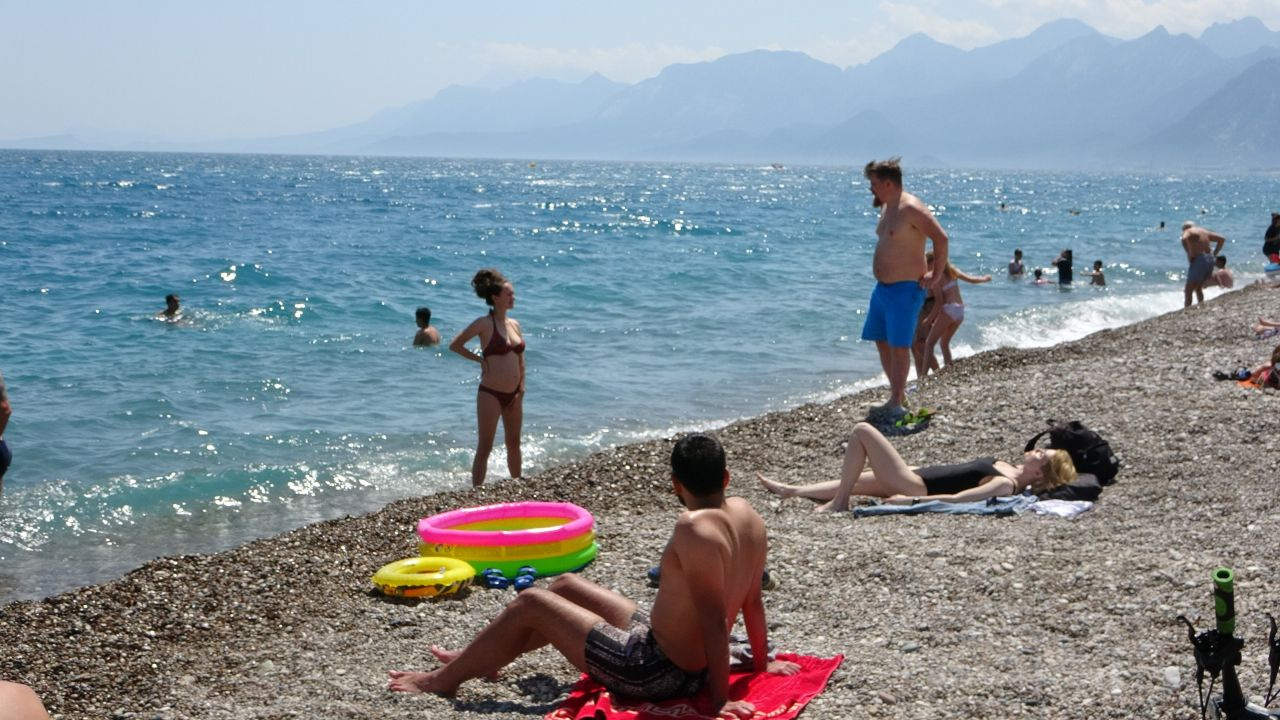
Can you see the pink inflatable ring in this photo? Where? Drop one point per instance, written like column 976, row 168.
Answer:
column 522, row 523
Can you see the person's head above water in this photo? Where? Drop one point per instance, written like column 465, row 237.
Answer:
column 423, row 316
column 1097, row 264
column 698, row 464
column 488, row 284
column 1038, row 273
column 1017, row 254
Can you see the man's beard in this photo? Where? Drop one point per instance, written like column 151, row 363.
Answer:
column 876, row 202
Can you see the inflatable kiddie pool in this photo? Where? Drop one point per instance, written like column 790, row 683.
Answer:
column 550, row 537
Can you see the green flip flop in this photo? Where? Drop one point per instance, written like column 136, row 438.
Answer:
column 915, row 418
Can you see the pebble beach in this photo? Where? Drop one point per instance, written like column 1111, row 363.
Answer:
column 936, row 615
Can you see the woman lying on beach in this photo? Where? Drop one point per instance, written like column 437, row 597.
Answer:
column 1267, row 374
column 501, row 358
column 890, row 477
column 1265, row 328
column 946, row 318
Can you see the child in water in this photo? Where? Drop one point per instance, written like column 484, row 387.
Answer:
column 1098, row 278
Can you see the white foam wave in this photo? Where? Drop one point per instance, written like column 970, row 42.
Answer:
column 1045, row 325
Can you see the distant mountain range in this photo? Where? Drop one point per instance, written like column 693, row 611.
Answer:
column 1065, row 96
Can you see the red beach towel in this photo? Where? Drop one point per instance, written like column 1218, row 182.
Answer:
column 776, row 697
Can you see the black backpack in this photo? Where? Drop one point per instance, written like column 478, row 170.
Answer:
column 1089, row 452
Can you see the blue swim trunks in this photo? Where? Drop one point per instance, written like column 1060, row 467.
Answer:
column 1201, row 267
column 893, row 313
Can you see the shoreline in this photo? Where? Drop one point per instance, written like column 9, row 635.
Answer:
column 125, row 552
column 972, row 616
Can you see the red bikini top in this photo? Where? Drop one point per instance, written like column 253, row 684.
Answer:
column 499, row 345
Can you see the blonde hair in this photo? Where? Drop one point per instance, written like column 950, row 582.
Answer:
column 1058, row 470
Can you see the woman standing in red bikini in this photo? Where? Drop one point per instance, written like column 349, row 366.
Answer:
column 501, row 393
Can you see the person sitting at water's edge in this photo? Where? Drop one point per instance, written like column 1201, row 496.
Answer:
column 872, row 466
column 1221, row 276
column 426, row 334
column 711, row 571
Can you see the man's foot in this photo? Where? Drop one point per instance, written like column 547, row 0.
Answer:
column 890, row 411
column 447, row 656
column 419, row 682
column 830, row 507
column 775, row 487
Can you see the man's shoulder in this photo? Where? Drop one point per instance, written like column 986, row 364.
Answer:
column 912, row 202
column 736, row 512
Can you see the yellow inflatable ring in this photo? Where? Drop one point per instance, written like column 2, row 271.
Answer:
column 424, row 576
column 480, row 554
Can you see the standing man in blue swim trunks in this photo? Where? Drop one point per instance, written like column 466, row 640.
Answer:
column 902, row 274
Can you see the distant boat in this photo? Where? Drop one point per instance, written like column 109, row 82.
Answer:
column 776, row 166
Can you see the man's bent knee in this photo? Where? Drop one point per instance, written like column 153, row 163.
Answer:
column 567, row 581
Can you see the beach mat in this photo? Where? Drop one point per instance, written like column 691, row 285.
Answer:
column 777, row 697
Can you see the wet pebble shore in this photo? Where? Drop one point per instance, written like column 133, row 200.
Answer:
column 937, row 616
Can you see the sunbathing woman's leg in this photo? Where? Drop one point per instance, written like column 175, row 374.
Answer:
column 890, row 474
column 824, row 490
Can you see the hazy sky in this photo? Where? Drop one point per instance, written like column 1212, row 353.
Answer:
column 235, row 68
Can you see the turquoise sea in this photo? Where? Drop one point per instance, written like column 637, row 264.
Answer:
column 655, row 298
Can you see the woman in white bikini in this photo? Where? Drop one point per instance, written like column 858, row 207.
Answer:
column 889, row 476
column 947, row 315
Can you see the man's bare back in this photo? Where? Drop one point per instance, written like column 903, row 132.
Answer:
column 1196, row 241
column 728, row 546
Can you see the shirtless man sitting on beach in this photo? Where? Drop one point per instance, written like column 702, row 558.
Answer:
column 1195, row 241
column 901, row 274
column 711, row 570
